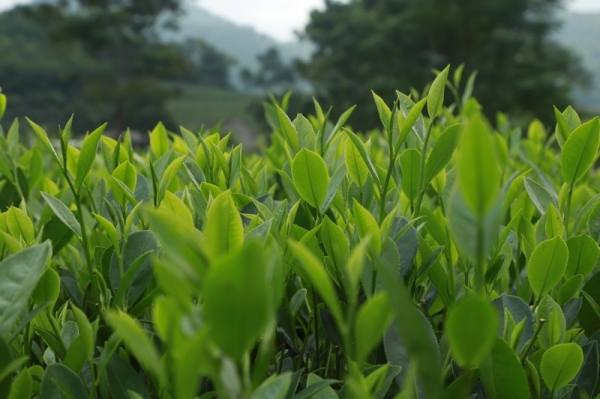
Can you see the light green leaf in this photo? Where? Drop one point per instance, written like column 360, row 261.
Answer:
column 245, row 276
column 478, row 171
column 20, row 225
column 224, row 231
column 583, row 255
column 360, row 146
column 137, row 341
column 43, row 137
column 87, row 155
column 159, row 141
column 288, row 129
column 502, row 374
column 311, row 177
column 63, row 213
column 471, row 329
column 126, row 174
column 315, row 271
column 570, row 288
column 168, row 177
column 175, row 206
column 579, row 151
column 560, row 364
column 2, row 105
column 19, row 274
column 442, row 152
column 554, row 328
column 367, row 226
column 385, row 114
column 47, row 288
column 373, row 319
column 554, row 224
column 22, row 386
column 274, row 387
column 409, row 122
column 410, row 162
column 540, row 197
column 355, row 165
column 109, row 229
column 435, row 101
column 547, row 265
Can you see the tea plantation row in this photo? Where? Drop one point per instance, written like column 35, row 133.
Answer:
column 441, row 257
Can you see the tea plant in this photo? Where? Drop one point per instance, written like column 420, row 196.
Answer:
column 438, row 257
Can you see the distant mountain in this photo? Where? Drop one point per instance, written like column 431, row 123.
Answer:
column 581, row 33
column 239, row 42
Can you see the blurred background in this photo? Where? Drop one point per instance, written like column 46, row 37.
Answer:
column 199, row 63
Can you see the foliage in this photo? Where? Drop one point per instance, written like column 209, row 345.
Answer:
column 365, row 45
column 211, row 66
column 273, row 74
column 310, row 270
column 121, row 38
column 44, row 81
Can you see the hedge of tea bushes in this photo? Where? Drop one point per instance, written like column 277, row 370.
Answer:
column 441, row 256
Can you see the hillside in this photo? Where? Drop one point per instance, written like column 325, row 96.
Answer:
column 580, row 32
column 240, row 42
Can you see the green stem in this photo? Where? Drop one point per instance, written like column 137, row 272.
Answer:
column 568, row 208
column 316, row 308
column 386, row 184
column 84, row 237
column 478, row 275
column 530, row 343
column 422, row 171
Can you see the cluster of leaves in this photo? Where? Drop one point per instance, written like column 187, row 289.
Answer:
column 440, row 257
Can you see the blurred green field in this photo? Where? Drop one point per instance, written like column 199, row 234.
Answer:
column 197, row 106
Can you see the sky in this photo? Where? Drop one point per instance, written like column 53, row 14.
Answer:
column 281, row 18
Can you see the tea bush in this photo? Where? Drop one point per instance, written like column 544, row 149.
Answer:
column 440, row 257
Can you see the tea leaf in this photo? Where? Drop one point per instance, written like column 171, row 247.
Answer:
column 224, row 231
column 2, row 104
column 547, row 265
column 560, row 364
column 367, row 226
column 442, row 152
column 60, row 382
column 126, row 174
column 373, row 319
column 583, row 255
column 87, row 155
column 471, row 329
column 435, row 101
column 410, row 163
column 168, row 177
column 43, row 137
column 288, row 129
column 159, row 140
column 244, row 274
column 409, row 122
column 19, row 274
column 319, row 279
column 136, row 340
column 500, row 366
column 355, row 165
column 20, row 225
column 540, row 197
column 311, row 178
column 579, row 151
column 478, row 172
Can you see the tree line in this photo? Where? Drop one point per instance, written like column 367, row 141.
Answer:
column 110, row 52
